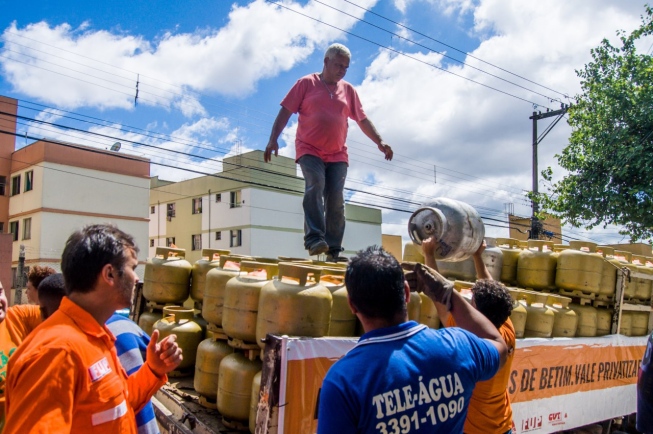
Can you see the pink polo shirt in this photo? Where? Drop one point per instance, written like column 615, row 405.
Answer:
column 322, row 128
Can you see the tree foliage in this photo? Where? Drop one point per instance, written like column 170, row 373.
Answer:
column 610, row 152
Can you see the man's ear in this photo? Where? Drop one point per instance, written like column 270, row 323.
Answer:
column 108, row 274
column 351, row 306
column 407, row 292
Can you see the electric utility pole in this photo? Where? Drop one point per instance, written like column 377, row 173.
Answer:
column 536, row 226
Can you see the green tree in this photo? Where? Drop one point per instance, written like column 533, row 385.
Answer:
column 610, row 153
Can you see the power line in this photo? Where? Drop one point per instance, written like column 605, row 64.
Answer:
column 435, row 51
column 456, row 49
column 406, row 55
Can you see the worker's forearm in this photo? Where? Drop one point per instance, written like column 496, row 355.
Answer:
column 481, row 269
column 429, row 261
column 280, row 123
column 370, row 131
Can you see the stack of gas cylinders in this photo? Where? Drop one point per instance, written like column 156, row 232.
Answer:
column 560, row 290
column 238, row 301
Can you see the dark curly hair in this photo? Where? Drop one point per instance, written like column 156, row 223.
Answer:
column 493, row 300
column 37, row 274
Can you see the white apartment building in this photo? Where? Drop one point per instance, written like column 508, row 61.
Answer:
column 56, row 188
column 251, row 207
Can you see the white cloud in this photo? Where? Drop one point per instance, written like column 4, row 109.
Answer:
column 479, row 138
column 259, row 41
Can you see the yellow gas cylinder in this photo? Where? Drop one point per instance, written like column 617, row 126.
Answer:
column 178, row 321
column 461, row 270
column 316, row 263
column 630, row 286
column 167, row 276
column 492, row 258
column 210, row 353
column 216, row 281
column 413, row 253
column 626, row 324
column 565, row 320
column 609, row 275
column 237, row 372
column 343, row 321
column 518, row 314
column 253, row 403
column 462, row 285
column 639, row 323
column 210, row 260
column 510, row 249
column 148, row 318
column 604, row 321
column 540, row 317
column 536, row 267
column 414, row 306
column 294, row 304
column 293, row 259
column 428, row 314
column 241, row 298
column 643, row 287
column 588, row 320
column 580, row 269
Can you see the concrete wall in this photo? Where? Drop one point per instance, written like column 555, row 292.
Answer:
column 7, row 144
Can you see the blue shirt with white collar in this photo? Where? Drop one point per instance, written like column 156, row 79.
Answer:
column 405, row 379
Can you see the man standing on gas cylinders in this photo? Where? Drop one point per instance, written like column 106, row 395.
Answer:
column 324, row 102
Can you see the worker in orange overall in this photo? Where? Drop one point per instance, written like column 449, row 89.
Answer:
column 66, row 376
column 489, row 408
column 16, row 323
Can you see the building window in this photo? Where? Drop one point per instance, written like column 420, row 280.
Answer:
column 3, row 184
column 171, row 210
column 2, row 227
column 29, row 180
column 234, row 201
column 197, row 242
column 170, row 242
column 152, row 209
column 13, row 230
column 218, row 236
column 236, row 238
column 27, row 228
column 152, row 243
column 14, row 273
column 15, row 185
column 197, row 205
column 218, row 197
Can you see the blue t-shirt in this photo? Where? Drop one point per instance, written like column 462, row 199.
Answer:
column 645, row 391
column 131, row 345
column 405, row 379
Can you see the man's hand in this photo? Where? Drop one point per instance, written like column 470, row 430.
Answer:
column 386, row 149
column 164, row 356
column 430, row 282
column 429, row 246
column 272, row 146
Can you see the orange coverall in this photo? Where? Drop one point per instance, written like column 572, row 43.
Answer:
column 66, row 377
column 489, row 409
column 18, row 323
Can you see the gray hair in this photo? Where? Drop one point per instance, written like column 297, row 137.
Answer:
column 337, row 49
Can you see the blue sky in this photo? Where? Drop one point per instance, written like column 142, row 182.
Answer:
column 212, row 75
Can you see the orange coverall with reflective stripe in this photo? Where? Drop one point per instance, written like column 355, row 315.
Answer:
column 66, row 377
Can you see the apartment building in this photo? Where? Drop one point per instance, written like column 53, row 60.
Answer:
column 250, row 207
column 54, row 188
